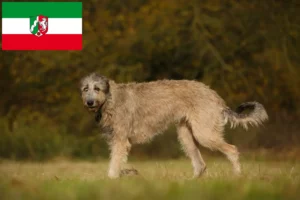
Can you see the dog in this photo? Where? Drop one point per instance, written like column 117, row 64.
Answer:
column 133, row 113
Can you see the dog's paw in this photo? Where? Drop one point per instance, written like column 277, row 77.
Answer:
column 129, row 172
column 199, row 173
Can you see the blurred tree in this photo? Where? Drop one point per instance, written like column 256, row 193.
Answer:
column 246, row 50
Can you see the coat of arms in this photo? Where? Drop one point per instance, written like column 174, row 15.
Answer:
column 39, row 25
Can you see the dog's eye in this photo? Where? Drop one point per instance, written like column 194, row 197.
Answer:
column 97, row 89
column 85, row 89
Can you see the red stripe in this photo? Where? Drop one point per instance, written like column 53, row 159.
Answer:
column 45, row 42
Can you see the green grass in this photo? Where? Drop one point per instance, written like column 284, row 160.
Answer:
column 157, row 180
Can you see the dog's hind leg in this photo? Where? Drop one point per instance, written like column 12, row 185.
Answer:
column 190, row 148
column 212, row 138
column 232, row 154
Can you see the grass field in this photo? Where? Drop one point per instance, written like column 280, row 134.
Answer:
column 157, row 180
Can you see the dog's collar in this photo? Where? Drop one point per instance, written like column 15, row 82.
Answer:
column 98, row 115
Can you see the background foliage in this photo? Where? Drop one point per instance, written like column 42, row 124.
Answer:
column 245, row 50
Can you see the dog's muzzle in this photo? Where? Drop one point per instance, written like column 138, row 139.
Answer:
column 92, row 105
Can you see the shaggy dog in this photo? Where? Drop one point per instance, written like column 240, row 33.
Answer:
column 134, row 113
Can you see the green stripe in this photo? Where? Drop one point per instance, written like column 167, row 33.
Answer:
column 49, row 9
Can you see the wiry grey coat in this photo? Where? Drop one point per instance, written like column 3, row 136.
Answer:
column 136, row 112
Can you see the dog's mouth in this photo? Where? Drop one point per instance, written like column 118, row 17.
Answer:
column 92, row 108
column 95, row 106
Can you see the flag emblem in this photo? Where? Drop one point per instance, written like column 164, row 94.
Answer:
column 39, row 25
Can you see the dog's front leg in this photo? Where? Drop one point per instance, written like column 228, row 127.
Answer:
column 118, row 155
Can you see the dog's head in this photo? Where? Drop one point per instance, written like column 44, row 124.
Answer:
column 94, row 91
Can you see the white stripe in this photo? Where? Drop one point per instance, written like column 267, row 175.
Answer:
column 55, row 26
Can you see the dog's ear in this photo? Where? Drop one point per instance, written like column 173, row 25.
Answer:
column 106, row 83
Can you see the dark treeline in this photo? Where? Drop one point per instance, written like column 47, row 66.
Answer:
column 245, row 50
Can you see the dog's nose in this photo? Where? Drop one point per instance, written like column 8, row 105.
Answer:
column 90, row 102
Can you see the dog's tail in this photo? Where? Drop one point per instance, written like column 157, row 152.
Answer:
column 255, row 117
